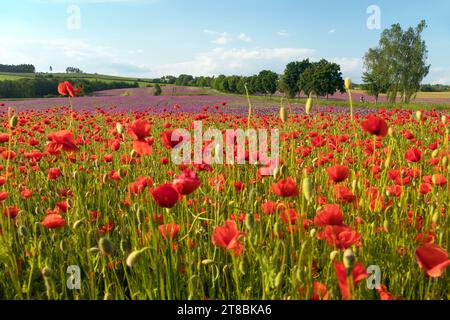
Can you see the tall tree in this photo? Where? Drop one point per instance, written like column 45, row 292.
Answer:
column 289, row 81
column 399, row 63
column 268, row 81
column 321, row 78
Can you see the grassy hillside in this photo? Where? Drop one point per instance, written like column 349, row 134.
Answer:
column 87, row 76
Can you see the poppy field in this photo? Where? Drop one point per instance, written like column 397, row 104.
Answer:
column 357, row 207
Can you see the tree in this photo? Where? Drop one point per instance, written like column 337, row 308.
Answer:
column 268, row 82
column 73, row 70
column 398, row 64
column 375, row 77
column 289, row 80
column 322, row 78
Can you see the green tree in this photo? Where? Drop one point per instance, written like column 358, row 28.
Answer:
column 289, row 83
column 268, row 82
column 322, row 78
column 399, row 63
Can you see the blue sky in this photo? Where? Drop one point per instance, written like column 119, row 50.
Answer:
column 150, row 38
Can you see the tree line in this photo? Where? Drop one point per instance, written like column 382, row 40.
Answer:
column 41, row 87
column 21, row 68
column 317, row 78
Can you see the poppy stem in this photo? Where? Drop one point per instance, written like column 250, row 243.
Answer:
column 351, row 103
column 8, row 155
column 249, row 106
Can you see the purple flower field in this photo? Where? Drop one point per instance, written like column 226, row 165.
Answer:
column 140, row 99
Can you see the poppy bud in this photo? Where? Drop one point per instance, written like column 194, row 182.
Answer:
column 333, row 255
column 77, row 224
column 134, row 257
column 348, row 84
column 108, row 296
column 13, row 121
column 349, row 261
column 435, row 218
column 23, row 232
column 391, row 132
column 46, row 272
column 308, row 105
column 106, row 247
column 445, row 161
column 279, row 279
column 208, row 262
column 435, row 153
column 386, row 225
column 312, row 233
column 283, row 114
column 242, row 268
column 308, row 189
column 119, row 128
column 354, row 185
column 250, row 221
column 63, row 245
column 444, row 120
column 419, row 115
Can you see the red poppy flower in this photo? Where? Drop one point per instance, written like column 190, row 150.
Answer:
column 66, row 88
column 139, row 129
column 376, row 126
column 285, row 188
column 343, row 194
column 413, row 155
column 168, row 141
column 54, row 221
column 359, row 273
column 169, row 231
column 338, row 173
column 439, row 180
column 165, row 196
column 11, row 212
column 341, row 237
column 433, row 259
column 329, row 215
column 54, row 173
column 60, row 140
column 227, row 236
column 270, row 207
column 187, row 182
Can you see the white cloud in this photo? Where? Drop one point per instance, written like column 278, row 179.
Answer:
column 222, row 37
column 61, row 53
column 283, row 33
column 348, row 65
column 235, row 61
column 244, row 37
column 332, row 31
column 438, row 75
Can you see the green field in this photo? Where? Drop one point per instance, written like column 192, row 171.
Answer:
column 86, row 76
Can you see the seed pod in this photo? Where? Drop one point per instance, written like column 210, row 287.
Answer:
column 13, row 121
column 106, row 247
column 444, row 120
column 308, row 189
column 134, row 257
column 308, row 106
column 119, row 128
column 435, row 218
column 348, row 84
column 312, row 233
